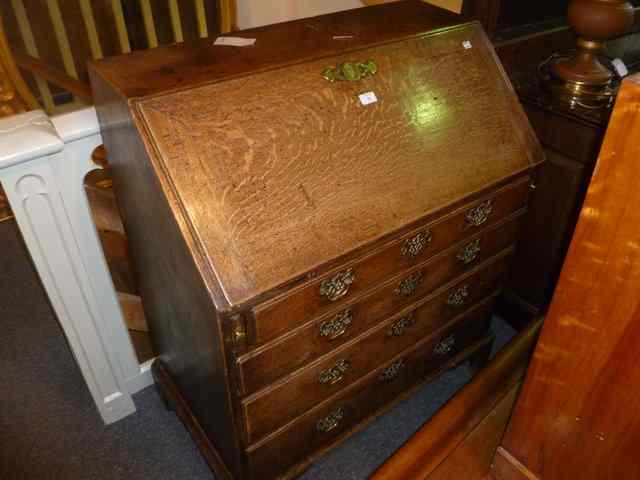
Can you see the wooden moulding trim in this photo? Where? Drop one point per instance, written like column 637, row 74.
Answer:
column 439, row 437
column 507, row 467
column 174, row 400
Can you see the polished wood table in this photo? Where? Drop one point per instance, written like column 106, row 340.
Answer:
column 578, row 414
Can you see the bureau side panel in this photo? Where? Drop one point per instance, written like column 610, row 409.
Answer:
column 185, row 327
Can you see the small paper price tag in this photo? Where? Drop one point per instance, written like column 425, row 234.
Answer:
column 467, row 45
column 235, row 41
column 367, row 98
column 620, row 67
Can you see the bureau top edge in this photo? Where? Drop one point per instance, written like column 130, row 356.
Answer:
column 176, row 66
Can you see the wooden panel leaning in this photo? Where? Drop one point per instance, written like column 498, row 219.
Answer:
column 577, row 416
column 298, row 244
column 433, row 452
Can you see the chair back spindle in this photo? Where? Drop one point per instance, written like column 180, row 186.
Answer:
column 80, row 30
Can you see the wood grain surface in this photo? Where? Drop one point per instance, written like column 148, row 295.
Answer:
column 297, row 305
column 171, row 67
column 303, row 389
column 472, row 458
column 245, row 178
column 271, row 168
column 185, row 327
column 301, row 437
column 434, row 445
column 263, row 366
column 579, row 412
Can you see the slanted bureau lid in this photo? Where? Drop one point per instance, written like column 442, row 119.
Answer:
column 281, row 171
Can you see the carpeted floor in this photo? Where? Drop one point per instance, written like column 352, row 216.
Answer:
column 49, row 428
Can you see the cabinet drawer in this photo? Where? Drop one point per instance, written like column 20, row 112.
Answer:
column 306, row 387
column 266, row 365
column 339, row 286
column 337, row 327
column 324, row 424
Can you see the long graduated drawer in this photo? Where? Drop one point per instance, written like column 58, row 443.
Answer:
column 262, row 366
column 339, row 286
column 372, row 394
column 306, row 387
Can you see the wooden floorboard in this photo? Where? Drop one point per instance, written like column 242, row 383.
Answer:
column 471, row 460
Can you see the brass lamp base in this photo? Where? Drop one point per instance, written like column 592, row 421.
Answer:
column 575, row 92
column 580, row 78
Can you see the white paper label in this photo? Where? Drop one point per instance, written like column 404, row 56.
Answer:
column 367, row 98
column 621, row 68
column 235, row 41
column 467, row 44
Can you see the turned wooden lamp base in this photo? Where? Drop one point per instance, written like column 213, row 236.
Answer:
column 581, row 79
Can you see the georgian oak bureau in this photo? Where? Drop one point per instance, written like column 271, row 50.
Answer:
column 319, row 224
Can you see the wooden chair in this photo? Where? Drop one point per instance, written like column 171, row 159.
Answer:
column 44, row 47
column 52, row 40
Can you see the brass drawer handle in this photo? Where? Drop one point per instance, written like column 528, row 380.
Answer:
column 401, row 326
column 392, row 371
column 480, row 214
column 469, row 253
column 415, row 245
column 350, row 71
column 331, row 421
column 337, row 326
column 336, row 287
column 335, row 374
column 409, row 285
column 459, row 297
column 445, row 346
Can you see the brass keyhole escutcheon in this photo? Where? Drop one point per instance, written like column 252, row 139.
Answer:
column 400, row 326
column 458, row 298
column 331, row 421
column 480, row 214
column 414, row 246
column 335, row 374
column 469, row 253
column 409, row 285
column 336, row 287
column 337, row 326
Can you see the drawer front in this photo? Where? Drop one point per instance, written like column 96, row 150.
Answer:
column 337, row 327
column 303, row 303
column 263, row 367
column 324, row 378
column 328, row 421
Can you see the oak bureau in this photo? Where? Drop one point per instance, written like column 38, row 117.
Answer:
column 319, row 225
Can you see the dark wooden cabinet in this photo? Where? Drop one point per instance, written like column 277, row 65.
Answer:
column 571, row 145
column 571, row 137
column 500, row 14
column 497, row 15
column 309, row 251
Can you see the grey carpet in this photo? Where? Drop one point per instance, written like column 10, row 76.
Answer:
column 49, row 428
